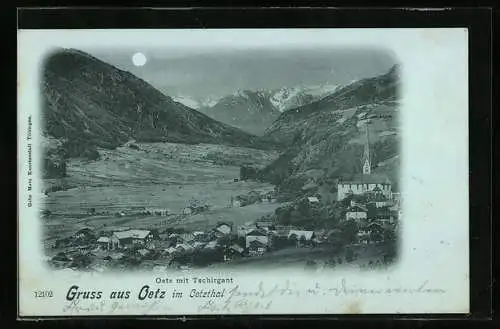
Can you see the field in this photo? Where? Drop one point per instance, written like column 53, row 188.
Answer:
column 157, row 175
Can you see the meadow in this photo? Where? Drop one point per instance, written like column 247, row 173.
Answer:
column 157, row 175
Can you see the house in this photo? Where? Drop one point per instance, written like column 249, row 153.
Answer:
column 187, row 237
column 187, row 211
column 164, row 236
column 143, row 252
column 223, row 228
column 357, row 212
column 123, row 239
column 363, row 236
column 170, row 250
column 235, row 203
column 162, row 212
column 282, row 231
column 243, row 230
column 200, row 236
column 183, row 247
column 256, row 248
column 313, row 199
column 384, row 203
column 199, row 245
column 265, row 224
column 104, row 242
column 302, row 237
column 396, row 196
column 156, row 211
column 83, row 233
column 257, row 235
column 154, row 244
column 233, row 251
column 321, row 233
column 237, row 248
column 300, row 234
column 211, row 245
column 317, row 240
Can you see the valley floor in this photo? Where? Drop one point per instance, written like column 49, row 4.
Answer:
column 159, row 176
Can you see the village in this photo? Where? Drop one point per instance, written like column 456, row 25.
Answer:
column 365, row 216
column 375, row 219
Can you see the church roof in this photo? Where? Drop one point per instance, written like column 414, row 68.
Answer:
column 366, row 179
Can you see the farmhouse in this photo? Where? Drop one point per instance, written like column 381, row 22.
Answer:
column 156, row 212
column 187, row 237
column 299, row 234
column 123, row 239
column 200, row 236
column 256, row 248
column 170, row 250
column 234, row 251
column 363, row 236
column 302, row 237
column 264, row 224
column 312, row 199
column 356, row 212
column 223, row 229
column 83, row 233
column 243, row 230
column 211, row 245
column 104, row 242
column 257, row 235
column 183, row 247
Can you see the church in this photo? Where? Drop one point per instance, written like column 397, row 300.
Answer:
column 367, row 182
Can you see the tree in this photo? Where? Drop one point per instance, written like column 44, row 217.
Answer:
column 349, row 255
column 155, row 233
column 81, row 261
column 349, row 230
column 247, row 172
column 335, row 239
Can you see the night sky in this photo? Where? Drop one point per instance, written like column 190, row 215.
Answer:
column 202, row 73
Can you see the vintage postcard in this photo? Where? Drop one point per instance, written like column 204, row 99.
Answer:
column 252, row 171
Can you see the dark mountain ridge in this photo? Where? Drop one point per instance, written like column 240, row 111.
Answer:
column 325, row 139
column 382, row 88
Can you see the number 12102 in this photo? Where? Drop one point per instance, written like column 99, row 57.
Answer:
column 43, row 293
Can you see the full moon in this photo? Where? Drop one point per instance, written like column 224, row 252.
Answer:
column 139, row 59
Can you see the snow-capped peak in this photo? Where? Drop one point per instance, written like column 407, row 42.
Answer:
column 290, row 97
column 196, row 103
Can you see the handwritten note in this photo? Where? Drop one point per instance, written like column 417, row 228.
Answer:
column 261, row 298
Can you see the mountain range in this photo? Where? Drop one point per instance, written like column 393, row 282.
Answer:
column 254, row 111
column 89, row 104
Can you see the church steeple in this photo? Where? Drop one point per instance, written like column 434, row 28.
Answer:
column 366, row 156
